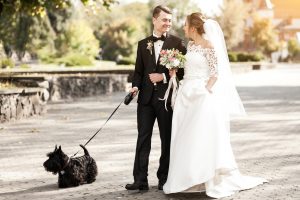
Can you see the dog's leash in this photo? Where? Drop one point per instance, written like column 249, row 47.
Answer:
column 126, row 100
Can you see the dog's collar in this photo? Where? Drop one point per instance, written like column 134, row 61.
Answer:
column 62, row 171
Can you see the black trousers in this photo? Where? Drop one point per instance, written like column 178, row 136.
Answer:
column 146, row 116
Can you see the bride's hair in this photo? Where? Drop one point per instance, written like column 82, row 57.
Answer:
column 196, row 20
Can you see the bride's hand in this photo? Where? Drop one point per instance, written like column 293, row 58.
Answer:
column 172, row 72
column 208, row 89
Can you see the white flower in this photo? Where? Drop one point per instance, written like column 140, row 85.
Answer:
column 176, row 63
column 172, row 58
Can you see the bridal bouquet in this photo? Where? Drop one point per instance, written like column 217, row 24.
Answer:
column 172, row 59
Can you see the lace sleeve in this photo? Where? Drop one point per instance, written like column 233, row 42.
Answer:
column 212, row 63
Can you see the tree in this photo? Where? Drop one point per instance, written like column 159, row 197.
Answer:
column 232, row 21
column 264, row 36
column 119, row 30
column 19, row 29
column 44, row 34
column 120, row 38
column 2, row 53
column 78, row 38
column 23, row 23
column 39, row 7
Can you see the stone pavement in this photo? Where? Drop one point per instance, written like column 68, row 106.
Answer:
column 265, row 143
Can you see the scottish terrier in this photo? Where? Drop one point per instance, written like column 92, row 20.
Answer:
column 71, row 171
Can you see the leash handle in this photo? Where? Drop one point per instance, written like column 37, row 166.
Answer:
column 100, row 128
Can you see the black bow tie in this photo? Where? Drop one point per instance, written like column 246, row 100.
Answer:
column 163, row 38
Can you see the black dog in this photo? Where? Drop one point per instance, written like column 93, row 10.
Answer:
column 72, row 171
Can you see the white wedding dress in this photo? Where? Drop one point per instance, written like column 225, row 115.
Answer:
column 201, row 158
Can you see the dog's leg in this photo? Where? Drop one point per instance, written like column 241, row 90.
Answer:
column 92, row 171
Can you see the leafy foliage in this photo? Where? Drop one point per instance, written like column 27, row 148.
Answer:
column 245, row 57
column 232, row 21
column 39, row 26
column 121, row 29
column 78, row 37
column 74, row 59
column 126, row 61
column 119, row 38
column 7, row 62
column 2, row 53
column 293, row 48
column 39, row 7
column 264, row 36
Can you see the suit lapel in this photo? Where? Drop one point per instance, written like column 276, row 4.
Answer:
column 153, row 54
column 166, row 44
column 150, row 54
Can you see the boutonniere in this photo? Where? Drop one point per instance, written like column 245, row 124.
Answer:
column 149, row 46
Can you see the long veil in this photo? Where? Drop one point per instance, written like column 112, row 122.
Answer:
column 225, row 89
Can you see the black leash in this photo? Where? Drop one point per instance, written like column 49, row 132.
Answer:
column 101, row 127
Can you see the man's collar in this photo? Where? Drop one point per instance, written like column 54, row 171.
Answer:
column 165, row 34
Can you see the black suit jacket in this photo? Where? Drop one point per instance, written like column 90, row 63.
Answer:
column 145, row 65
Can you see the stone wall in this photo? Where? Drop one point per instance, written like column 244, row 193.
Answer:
column 75, row 86
column 17, row 104
column 33, row 92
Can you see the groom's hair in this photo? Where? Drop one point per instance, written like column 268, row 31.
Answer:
column 158, row 9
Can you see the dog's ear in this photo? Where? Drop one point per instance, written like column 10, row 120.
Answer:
column 55, row 148
column 59, row 148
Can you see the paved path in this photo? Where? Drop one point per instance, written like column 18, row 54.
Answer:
column 266, row 143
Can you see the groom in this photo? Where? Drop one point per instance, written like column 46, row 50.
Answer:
column 151, row 80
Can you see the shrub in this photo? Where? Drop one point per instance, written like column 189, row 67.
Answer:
column 242, row 57
column 47, row 58
column 257, row 56
column 75, row 59
column 245, row 57
column 232, row 56
column 126, row 61
column 46, row 54
column 293, row 48
column 7, row 63
column 24, row 66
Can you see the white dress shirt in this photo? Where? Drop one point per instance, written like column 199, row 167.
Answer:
column 157, row 48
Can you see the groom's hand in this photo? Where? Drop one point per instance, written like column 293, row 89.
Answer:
column 156, row 77
column 134, row 90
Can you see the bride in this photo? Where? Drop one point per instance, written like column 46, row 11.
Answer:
column 201, row 157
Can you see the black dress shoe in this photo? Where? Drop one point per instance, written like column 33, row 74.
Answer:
column 161, row 183
column 137, row 186
column 160, row 186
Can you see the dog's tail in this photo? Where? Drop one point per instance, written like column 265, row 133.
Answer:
column 85, row 150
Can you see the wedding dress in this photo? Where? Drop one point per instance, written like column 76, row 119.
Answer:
column 201, row 157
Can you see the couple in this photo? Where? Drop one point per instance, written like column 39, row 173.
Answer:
column 196, row 154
